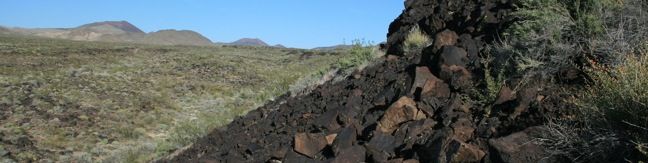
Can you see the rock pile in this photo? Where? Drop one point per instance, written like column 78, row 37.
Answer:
column 414, row 107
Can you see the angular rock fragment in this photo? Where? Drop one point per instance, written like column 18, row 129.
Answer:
column 519, row 147
column 344, row 139
column 458, row 77
column 505, row 95
column 328, row 120
column 293, row 157
column 445, row 38
column 452, row 55
column 463, row 129
column 400, row 111
column 462, row 152
column 351, row 155
column 525, row 97
column 309, row 144
column 330, row 138
column 429, row 84
column 443, row 146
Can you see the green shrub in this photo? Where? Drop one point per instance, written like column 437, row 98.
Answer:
column 416, row 39
column 621, row 96
column 552, row 35
column 361, row 52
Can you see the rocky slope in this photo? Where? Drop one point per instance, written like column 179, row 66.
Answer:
column 415, row 106
column 116, row 31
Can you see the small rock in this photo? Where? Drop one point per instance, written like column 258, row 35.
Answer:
column 471, row 45
column 442, row 147
column 465, row 152
column 505, row 95
column 328, row 120
column 383, row 143
column 279, row 154
column 384, row 97
column 445, row 38
column 351, row 155
column 422, row 74
column 458, row 77
column 525, row 97
column 430, row 84
column 344, row 139
column 292, row 157
column 400, row 111
column 519, row 147
column 330, row 138
column 309, row 144
column 463, row 129
column 452, row 55
column 436, row 87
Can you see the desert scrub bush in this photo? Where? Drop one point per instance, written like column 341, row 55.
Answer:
column 494, row 78
column 360, row 52
column 416, row 39
column 621, row 96
column 611, row 119
column 553, row 34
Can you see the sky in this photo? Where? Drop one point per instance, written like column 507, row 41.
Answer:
column 293, row 23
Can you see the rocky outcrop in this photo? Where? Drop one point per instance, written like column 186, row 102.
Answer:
column 412, row 107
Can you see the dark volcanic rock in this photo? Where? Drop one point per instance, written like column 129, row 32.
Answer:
column 445, row 38
column 309, row 144
column 410, row 107
column 401, row 111
column 519, row 147
column 344, row 140
column 351, row 155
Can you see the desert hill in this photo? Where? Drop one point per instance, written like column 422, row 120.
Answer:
column 116, row 31
column 248, row 42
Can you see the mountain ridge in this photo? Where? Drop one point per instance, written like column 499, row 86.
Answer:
column 115, row 31
column 123, row 25
column 249, row 42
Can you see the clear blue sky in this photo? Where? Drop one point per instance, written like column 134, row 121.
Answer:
column 294, row 23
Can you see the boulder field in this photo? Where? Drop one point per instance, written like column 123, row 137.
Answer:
column 414, row 106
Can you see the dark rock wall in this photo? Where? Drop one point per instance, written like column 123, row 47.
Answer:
column 413, row 107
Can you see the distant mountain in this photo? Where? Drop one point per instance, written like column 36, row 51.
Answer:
column 3, row 30
column 335, row 47
column 279, row 46
column 249, row 42
column 175, row 37
column 122, row 25
column 116, row 31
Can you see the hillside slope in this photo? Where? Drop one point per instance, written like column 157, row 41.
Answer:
column 249, row 42
column 419, row 105
column 77, row 101
column 116, row 31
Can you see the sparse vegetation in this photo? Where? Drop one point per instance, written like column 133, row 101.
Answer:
column 359, row 55
column 605, row 37
column 620, row 96
column 416, row 39
column 97, row 101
